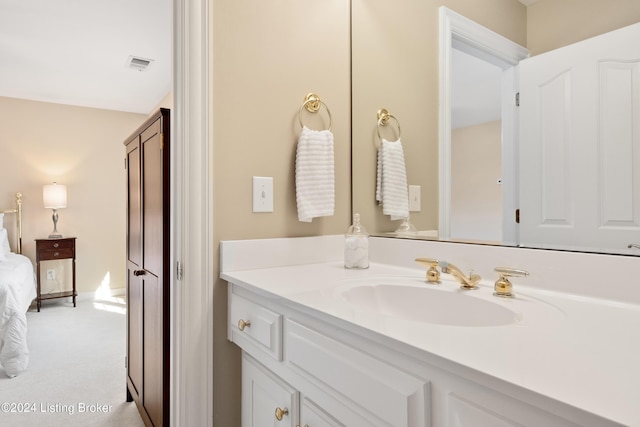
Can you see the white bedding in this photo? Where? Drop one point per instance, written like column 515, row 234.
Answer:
column 17, row 291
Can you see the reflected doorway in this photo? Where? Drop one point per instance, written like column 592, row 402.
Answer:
column 463, row 38
column 476, row 149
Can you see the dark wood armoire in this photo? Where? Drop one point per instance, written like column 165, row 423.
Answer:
column 147, row 359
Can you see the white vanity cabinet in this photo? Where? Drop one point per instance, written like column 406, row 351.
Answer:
column 318, row 371
column 314, row 375
column 565, row 363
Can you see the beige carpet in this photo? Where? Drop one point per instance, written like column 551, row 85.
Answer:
column 76, row 373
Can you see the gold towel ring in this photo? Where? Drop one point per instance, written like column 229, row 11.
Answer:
column 312, row 104
column 383, row 120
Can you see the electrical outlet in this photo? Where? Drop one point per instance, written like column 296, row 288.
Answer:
column 262, row 194
column 51, row 274
column 414, row 198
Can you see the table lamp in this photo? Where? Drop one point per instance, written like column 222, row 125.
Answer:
column 54, row 197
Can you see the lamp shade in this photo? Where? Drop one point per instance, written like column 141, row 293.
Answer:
column 54, row 196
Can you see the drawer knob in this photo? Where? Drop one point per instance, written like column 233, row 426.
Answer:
column 56, row 254
column 243, row 324
column 55, row 245
column 280, row 413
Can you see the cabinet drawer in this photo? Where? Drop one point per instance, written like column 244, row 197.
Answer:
column 56, row 254
column 392, row 396
column 56, row 244
column 252, row 326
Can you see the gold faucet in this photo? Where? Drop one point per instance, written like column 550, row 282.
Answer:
column 503, row 287
column 470, row 282
column 433, row 275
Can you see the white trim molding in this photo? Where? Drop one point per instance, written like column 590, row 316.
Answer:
column 191, row 219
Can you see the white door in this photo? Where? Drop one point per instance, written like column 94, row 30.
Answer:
column 580, row 144
column 267, row 401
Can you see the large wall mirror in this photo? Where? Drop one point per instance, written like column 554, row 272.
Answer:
column 451, row 84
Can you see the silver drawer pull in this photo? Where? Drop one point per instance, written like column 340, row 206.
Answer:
column 55, row 245
column 56, row 253
column 244, row 324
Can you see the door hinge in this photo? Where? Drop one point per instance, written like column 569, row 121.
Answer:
column 517, row 216
column 179, row 270
column 518, row 99
column 126, row 363
column 161, row 141
column 125, row 163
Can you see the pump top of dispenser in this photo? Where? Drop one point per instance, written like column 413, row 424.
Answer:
column 357, row 229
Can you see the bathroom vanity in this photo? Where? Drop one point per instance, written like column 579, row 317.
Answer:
column 327, row 346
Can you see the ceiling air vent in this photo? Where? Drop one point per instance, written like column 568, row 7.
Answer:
column 138, row 63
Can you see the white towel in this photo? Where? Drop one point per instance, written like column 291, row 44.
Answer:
column 391, row 181
column 315, row 181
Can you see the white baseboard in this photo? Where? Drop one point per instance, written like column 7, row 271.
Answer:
column 81, row 296
column 118, row 292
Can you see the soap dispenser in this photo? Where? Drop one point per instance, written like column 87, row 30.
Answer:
column 356, row 247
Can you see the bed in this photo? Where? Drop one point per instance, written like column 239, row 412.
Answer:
column 17, row 291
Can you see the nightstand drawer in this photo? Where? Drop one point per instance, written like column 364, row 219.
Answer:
column 46, row 255
column 46, row 245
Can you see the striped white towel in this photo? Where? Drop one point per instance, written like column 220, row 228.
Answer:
column 391, row 181
column 315, row 181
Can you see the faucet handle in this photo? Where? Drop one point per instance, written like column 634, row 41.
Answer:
column 503, row 286
column 432, row 275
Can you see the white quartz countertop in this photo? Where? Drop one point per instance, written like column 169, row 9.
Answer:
column 581, row 351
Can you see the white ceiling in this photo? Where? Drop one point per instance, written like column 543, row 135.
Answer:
column 75, row 52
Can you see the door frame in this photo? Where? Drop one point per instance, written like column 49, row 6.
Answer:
column 466, row 35
column 191, row 320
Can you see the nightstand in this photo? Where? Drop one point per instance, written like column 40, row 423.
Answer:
column 52, row 250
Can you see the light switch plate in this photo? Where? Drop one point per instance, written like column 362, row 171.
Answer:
column 262, row 194
column 414, row 198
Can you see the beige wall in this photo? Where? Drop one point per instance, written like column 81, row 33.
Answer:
column 260, row 78
column 555, row 23
column 476, row 196
column 82, row 148
column 267, row 57
column 395, row 66
column 166, row 102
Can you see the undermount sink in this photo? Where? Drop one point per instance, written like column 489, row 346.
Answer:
column 429, row 304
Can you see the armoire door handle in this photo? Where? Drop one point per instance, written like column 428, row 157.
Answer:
column 139, row 272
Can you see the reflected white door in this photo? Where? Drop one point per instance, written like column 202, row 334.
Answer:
column 580, row 144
